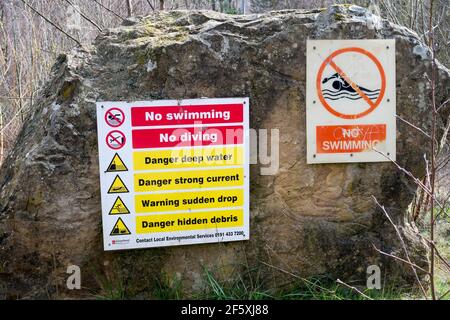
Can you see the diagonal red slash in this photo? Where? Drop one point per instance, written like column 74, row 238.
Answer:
column 112, row 115
column 328, row 62
column 115, row 139
column 351, row 83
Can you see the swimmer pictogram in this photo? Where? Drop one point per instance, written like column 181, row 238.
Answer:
column 341, row 89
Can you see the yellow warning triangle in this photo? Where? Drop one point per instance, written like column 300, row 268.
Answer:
column 118, row 186
column 120, row 229
column 116, row 164
column 119, row 207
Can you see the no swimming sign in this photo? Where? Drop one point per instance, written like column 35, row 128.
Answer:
column 350, row 103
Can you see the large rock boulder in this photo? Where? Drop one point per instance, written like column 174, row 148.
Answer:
column 306, row 220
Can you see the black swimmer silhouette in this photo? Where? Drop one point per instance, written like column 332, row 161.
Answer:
column 344, row 90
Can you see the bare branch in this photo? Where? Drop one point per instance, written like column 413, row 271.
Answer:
column 438, row 254
column 129, row 8
column 443, row 296
column 353, row 288
column 83, row 15
column 409, row 174
column 413, row 126
column 151, row 6
column 51, row 23
column 400, row 259
column 403, row 244
column 443, row 105
column 109, row 10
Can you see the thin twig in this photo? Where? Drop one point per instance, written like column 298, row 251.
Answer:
column 415, row 127
column 84, row 16
column 12, row 119
column 403, row 244
column 109, row 10
column 129, row 8
column 353, row 288
column 443, row 296
column 51, row 23
column 295, row 276
column 14, row 98
column 433, row 151
column 408, row 173
column 400, row 259
column 282, row 270
column 1, row 135
column 438, row 254
column 151, row 6
column 443, row 105
column 444, row 136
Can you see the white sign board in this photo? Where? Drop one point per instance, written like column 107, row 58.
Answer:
column 350, row 101
column 173, row 172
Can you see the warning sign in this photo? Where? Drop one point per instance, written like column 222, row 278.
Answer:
column 120, row 229
column 350, row 105
column 117, row 164
column 174, row 172
column 119, row 207
column 117, row 186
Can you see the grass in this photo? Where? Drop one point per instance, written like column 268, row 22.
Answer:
column 112, row 289
column 236, row 289
column 443, row 286
column 328, row 289
column 167, row 289
column 317, row 288
column 111, row 284
column 442, row 240
column 112, row 292
column 443, row 246
column 323, row 288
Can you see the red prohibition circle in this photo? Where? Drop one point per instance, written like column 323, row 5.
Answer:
column 373, row 105
column 109, row 112
column 110, row 134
